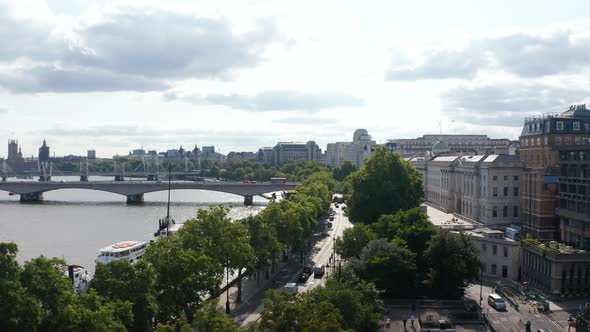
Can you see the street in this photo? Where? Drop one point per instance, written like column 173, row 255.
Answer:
column 512, row 320
column 248, row 312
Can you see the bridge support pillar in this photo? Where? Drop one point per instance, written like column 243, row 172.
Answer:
column 44, row 178
column 31, row 197
column 119, row 178
column 152, row 177
column 248, row 200
column 84, row 178
column 135, row 199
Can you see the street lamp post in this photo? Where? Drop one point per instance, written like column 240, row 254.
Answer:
column 480, row 287
column 227, row 290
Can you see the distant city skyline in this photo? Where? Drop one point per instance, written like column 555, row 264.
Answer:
column 114, row 76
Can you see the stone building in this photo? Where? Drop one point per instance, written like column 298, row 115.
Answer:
column 484, row 188
column 499, row 254
column 361, row 147
column 458, row 144
column 540, row 140
column 284, row 152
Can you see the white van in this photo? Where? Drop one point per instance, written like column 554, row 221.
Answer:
column 318, row 271
column 494, row 300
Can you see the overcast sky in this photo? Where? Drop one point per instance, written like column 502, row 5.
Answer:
column 118, row 75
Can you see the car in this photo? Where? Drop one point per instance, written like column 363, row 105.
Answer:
column 331, row 218
column 303, row 277
column 329, row 225
column 291, row 287
column 318, row 271
column 495, row 301
column 308, row 269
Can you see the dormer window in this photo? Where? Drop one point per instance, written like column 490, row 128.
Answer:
column 559, row 125
column 576, row 126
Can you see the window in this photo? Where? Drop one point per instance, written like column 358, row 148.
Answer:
column 505, row 191
column 568, row 140
column 516, row 178
column 578, row 140
column 559, row 125
column 484, row 248
column 494, row 250
column 538, row 141
column 515, row 211
column 505, row 177
column 505, row 249
column 505, row 211
column 558, row 140
column 494, row 268
column 495, row 178
column 515, row 191
column 545, row 140
column 576, row 126
column 504, row 271
column 495, row 191
column 494, row 212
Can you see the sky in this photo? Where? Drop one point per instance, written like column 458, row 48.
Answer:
column 119, row 75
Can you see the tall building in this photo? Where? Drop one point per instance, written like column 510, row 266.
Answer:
column 44, row 152
column 355, row 152
column 91, row 154
column 540, row 141
column 15, row 156
column 573, row 195
column 265, row 155
column 458, row 144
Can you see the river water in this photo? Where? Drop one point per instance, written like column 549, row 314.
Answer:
column 73, row 224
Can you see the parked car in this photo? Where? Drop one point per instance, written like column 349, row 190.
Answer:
column 331, row 218
column 308, row 269
column 291, row 287
column 303, row 277
column 495, row 301
column 318, row 271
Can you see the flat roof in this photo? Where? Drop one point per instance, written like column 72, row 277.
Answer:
column 122, row 246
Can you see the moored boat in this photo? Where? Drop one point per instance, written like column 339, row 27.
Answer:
column 78, row 275
column 129, row 250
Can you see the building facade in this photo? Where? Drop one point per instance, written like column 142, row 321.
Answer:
column 284, row 152
column 500, row 255
column 91, row 154
column 265, row 155
column 44, row 152
column 361, row 147
column 458, row 144
column 540, row 140
column 15, row 158
column 573, row 195
column 240, row 156
column 484, row 188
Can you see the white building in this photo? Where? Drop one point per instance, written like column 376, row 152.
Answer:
column 284, row 152
column 499, row 254
column 484, row 188
column 355, row 152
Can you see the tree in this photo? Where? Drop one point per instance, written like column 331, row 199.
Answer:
column 386, row 184
column 391, row 267
column 353, row 241
column 18, row 310
column 263, row 240
column 210, row 319
column 341, row 172
column 136, row 283
column 184, row 276
column 410, row 228
column 453, row 261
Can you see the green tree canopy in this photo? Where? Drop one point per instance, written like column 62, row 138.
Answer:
column 453, row 261
column 386, row 184
column 391, row 267
column 341, row 172
column 353, row 241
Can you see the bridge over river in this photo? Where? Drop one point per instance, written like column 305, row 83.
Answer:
column 32, row 191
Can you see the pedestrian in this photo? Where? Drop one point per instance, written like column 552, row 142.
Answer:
column 404, row 319
column 412, row 319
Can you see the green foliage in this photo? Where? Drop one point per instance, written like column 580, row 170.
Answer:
column 453, row 261
column 386, row 184
column 344, row 303
column 353, row 241
column 210, row 319
column 135, row 283
column 391, row 267
column 18, row 310
column 345, row 169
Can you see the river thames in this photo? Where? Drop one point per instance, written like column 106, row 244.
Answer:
column 73, row 224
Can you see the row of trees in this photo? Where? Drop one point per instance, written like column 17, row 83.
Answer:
column 392, row 243
column 167, row 289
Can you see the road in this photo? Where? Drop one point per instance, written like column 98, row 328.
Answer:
column 509, row 320
column 249, row 311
